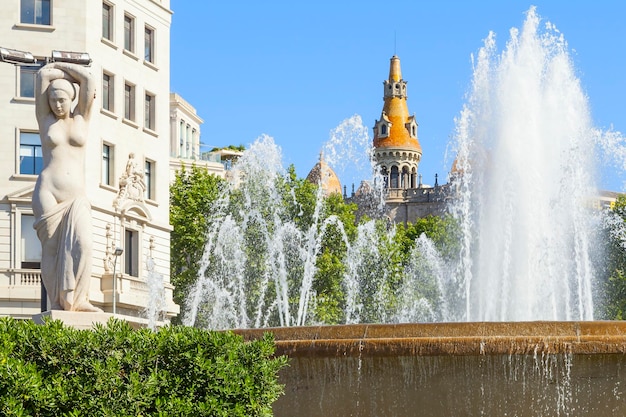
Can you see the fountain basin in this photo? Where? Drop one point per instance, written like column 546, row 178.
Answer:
column 451, row 369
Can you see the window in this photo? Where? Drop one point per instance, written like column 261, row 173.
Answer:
column 131, row 253
column 129, row 33
column 149, row 45
column 394, row 177
column 107, row 91
column 129, row 102
column 181, row 151
column 148, row 178
column 30, row 245
column 194, row 141
column 107, row 168
column 107, row 21
column 149, row 112
column 27, row 80
column 385, row 174
column 35, row 12
column 383, row 129
column 31, row 159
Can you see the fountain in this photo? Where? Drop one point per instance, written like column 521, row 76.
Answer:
column 525, row 150
column 511, row 328
column 157, row 305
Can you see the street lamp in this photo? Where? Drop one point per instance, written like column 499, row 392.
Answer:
column 117, row 253
column 13, row 56
column 81, row 58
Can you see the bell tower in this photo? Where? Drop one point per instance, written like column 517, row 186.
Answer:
column 397, row 149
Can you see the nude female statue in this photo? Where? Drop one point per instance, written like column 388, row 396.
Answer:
column 62, row 211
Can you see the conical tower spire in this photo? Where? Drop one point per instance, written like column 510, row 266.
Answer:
column 395, row 73
column 398, row 150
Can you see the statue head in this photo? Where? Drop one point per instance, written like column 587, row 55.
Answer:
column 61, row 93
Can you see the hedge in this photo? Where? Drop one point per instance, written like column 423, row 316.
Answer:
column 113, row 370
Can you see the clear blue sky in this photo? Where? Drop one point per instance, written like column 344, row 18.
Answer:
column 294, row 70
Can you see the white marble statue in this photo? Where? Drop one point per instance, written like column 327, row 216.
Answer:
column 62, row 211
column 132, row 183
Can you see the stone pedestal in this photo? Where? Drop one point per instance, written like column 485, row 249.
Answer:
column 83, row 320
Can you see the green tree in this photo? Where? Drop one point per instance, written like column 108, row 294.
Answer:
column 192, row 195
column 299, row 199
column 419, row 282
column 333, row 221
column 443, row 231
column 338, row 229
column 614, row 288
column 239, row 148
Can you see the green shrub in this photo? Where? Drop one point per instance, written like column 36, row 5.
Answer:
column 52, row 370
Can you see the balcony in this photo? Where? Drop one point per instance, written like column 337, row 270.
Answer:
column 21, row 278
column 20, row 292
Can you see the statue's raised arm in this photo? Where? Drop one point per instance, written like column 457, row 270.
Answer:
column 62, row 77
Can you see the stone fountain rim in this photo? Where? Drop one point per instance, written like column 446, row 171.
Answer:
column 448, row 339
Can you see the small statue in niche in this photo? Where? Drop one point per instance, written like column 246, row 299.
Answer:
column 132, row 183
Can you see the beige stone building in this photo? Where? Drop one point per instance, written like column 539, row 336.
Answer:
column 185, row 146
column 128, row 166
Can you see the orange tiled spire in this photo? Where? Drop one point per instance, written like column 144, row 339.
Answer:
column 396, row 128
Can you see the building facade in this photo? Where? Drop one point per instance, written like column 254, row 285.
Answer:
column 185, row 146
column 128, row 151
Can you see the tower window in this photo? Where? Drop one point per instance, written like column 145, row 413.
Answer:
column 383, row 129
column 394, row 177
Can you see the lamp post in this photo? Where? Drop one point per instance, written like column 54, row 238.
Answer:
column 117, row 253
column 17, row 57
column 80, row 58
column 13, row 56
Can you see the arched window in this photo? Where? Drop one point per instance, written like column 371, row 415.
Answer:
column 383, row 129
column 394, row 177
column 385, row 176
column 405, row 178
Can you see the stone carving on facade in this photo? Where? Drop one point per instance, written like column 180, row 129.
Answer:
column 109, row 251
column 132, row 184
